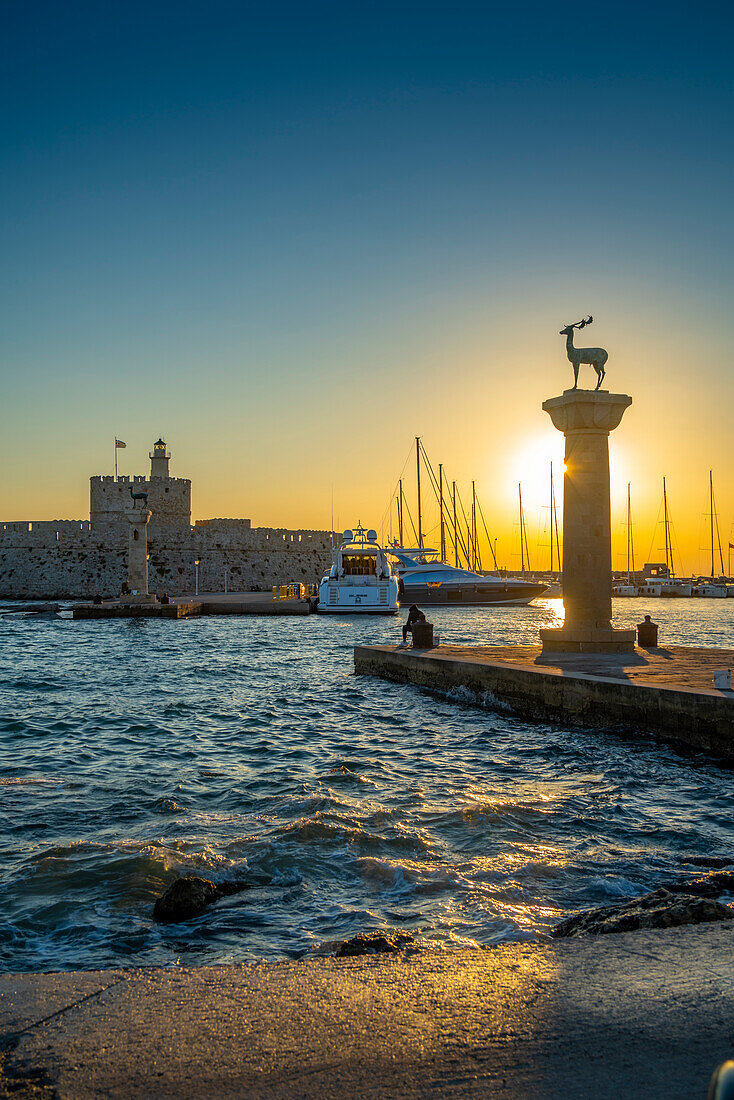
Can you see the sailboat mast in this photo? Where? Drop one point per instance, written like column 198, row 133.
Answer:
column 632, row 542
column 555, row 524
column 456, row 539
column 715, row 522
column 400, row 512
column 474, row 525
column 440, row 504
column 668, row 543
column 522, row 529
column 551, row 520
column 711, row 508
column 418, row 470
column 629, row 532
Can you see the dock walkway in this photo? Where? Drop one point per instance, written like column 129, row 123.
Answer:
column 668, row 691
column 641, row 1014
column 185, row 607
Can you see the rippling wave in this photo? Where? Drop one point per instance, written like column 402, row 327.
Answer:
column 135, row 751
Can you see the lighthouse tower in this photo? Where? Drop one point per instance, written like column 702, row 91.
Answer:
column 159, row 459
column 169, row 498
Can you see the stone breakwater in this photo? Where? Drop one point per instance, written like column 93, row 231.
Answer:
column 69, row 559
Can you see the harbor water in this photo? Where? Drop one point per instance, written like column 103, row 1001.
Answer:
column 132, row 751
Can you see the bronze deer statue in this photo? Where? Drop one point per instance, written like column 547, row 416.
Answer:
column 596, row 357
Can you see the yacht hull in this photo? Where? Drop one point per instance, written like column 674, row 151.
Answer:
column 465, row 595
column 326, row 610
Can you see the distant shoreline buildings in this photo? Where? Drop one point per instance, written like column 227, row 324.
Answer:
column 81, row 559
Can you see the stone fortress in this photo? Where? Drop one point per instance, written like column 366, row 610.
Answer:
column 81, row 559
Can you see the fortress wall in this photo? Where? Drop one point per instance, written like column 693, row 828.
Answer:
column 45, row 533
column 59, row 572
column 82, row 571
column 225, row 524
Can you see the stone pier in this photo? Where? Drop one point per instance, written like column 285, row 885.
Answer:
column 586, row 417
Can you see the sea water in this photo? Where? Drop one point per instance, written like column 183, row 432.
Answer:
column 132, row 751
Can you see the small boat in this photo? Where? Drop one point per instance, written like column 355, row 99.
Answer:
column 624, row 590
column 708, row 590
column 425, row 579
column 674, row 587
column 361, row 580
column 650, row 588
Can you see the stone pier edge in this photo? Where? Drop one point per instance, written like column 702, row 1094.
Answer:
column 687, row 717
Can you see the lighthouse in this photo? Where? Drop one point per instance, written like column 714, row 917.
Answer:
column 159, row 459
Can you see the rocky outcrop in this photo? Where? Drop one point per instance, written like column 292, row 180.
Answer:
column 373, row 943
column 660, row 909
column 704, row 886
column 188, row 897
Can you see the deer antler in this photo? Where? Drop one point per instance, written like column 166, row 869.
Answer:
column 583, row 323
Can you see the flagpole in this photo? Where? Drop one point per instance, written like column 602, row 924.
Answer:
column 115, row 458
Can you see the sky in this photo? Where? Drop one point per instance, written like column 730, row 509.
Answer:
column 290, row 238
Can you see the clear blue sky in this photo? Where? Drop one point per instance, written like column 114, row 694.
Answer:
column 312, row 231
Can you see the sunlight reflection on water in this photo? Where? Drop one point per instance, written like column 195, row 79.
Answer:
column 131, row 751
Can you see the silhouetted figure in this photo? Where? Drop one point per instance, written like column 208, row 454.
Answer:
column 414, row 616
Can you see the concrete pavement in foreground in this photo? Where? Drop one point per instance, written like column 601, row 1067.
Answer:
column 642, row 1014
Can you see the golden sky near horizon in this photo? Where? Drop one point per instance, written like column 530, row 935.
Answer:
column 472, row 391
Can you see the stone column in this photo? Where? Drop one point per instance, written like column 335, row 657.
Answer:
column 586, row 417
column 137, row 555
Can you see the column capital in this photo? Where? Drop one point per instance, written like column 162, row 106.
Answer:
column 587, row 410
column 138, row 516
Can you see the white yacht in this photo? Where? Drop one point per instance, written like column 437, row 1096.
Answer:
column 361, row 580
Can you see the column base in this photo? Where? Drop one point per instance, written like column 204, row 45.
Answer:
column 137, row 598
column 591, row 639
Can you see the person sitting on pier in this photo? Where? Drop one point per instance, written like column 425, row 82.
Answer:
column 415, row 615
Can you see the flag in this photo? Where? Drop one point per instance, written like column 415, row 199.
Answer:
column 119, row 443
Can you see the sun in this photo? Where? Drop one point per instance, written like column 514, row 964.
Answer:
column 530, row 467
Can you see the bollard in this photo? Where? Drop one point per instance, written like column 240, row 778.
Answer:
column 647, row 633
column 422, row 635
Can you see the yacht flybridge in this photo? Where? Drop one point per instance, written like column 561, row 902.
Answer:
column 427, row 580
column 360, row 580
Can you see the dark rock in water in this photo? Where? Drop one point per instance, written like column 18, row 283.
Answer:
column 660, row 909
column 167, row 806
column 709, row 861
column 188, row 897
column 705, row 886
column 373, row 943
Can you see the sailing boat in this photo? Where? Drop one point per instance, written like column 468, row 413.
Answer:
column 628, row 589
column 670, row 585
column 709, row 589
